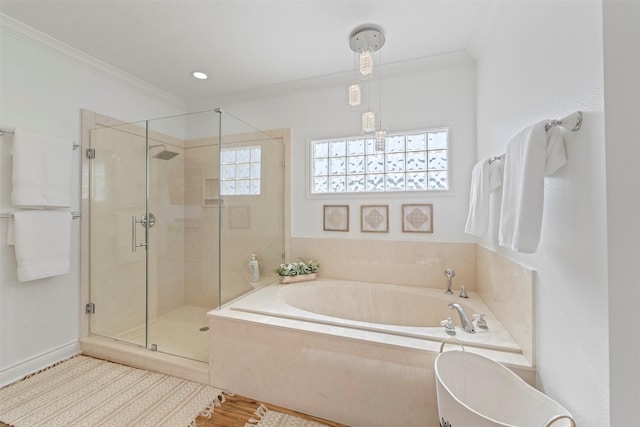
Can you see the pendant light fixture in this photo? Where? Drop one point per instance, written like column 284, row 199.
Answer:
column 365, row 41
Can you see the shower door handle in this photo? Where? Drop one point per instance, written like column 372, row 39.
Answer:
column 134, row 238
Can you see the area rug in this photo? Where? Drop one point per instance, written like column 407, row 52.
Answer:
column 269, row 418
column 87, row 392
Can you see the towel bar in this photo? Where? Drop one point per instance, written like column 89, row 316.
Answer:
column 573, row 122
column 74, row 215
column 5, row 130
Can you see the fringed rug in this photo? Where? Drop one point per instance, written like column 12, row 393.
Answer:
column 268, row 418
column 87, row 392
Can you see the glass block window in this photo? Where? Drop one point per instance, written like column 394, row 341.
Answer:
column 411, row 161
column 240, row 171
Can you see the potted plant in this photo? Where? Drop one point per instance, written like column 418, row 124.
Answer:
column 297, row 271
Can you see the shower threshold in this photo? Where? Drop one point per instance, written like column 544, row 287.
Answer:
column 177, row 334
column 140, row 357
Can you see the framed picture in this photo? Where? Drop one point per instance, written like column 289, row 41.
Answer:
column 417, row 218
column 374, row 218
column 336, row 218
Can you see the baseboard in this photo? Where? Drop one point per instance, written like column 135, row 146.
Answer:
column 21, row 369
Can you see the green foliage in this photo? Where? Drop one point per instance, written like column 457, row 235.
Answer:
column 297, row 268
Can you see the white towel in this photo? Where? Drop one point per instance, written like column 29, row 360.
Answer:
column 485, row 178
column 496, row 171
column 556, row 152
column 41, row 170
column 42, row 242
column 531, row 154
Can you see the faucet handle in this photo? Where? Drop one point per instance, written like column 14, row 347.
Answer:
column 480, row 320
column 448, row 326
column 463, row 293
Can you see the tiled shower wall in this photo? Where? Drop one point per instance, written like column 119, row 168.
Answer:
column 246, row 224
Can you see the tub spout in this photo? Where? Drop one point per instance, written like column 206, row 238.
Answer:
column 467, row 324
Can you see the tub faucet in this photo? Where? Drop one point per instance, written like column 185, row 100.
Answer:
column 449, row 273
column 467, row 324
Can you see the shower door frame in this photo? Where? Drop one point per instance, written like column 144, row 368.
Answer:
column 119, row 198
column 91, row 120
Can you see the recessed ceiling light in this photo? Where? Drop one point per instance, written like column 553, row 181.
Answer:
column 199, row 75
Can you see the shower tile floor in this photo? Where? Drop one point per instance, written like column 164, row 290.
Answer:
column 176, row 332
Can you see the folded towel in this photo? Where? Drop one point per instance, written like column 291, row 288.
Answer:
column 556, row 152
column 531, row 154
column 42, row 242
column 485, row 178
column 41, row 170
column 496, row 171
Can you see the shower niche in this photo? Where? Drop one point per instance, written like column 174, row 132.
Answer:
column 151, row 282
column 210, row 192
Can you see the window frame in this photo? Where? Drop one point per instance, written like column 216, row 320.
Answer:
column 384, row 192
column 261, row 163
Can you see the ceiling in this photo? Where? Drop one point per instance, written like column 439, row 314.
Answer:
column 244, row 45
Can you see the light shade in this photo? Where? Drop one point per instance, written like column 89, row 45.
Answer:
column 355, row 94
column 199, row 75
column 366, row 63
column 368, row 122
column 381, row 140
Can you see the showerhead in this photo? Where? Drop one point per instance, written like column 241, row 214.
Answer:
column 164, row 154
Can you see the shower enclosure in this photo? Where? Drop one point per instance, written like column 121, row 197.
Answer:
column 177, row 206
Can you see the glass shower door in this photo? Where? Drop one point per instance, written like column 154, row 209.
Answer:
column 118, row 266
column 183, row 242
column 167, row 227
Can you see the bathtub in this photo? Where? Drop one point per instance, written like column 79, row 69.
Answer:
column 354, row 352
column 475, row 391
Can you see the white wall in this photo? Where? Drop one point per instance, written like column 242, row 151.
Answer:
column 544, row 60
column 43, row 89
column 622, row 92
column 440, row 93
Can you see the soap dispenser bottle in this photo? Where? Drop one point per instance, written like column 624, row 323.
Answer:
column 254, row 269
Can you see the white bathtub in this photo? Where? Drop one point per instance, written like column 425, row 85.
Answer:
column 392, row 309
column 353, row 352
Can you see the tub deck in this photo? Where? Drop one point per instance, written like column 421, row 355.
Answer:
column 272, row 301
column 333, row 369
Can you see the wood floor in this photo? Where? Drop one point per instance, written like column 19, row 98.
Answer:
column 237, row 410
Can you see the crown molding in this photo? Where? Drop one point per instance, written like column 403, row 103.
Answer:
column 389, row 70
column 18, row 30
